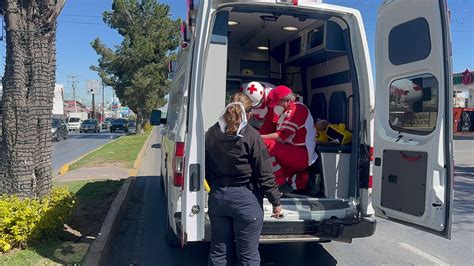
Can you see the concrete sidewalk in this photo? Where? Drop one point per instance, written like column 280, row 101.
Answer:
column 89, row 173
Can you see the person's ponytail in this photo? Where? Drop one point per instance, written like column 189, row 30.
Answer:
column 233, row 114
column 233, row 117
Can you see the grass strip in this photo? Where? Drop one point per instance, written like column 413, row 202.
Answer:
column 122, row 152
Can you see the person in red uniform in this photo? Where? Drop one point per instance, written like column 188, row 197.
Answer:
column 258, row 92
column 293, row 143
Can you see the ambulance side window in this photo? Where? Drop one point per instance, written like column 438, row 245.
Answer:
column 413, row 104
column 175, row 103
column 409, row 42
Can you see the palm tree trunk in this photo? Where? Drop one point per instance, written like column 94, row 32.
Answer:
column 28, row 84
column 43, row 77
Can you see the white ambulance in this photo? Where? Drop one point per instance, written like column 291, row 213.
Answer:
column 398, row 164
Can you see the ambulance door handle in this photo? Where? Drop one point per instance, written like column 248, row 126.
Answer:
column 378, row 161
column 194, row 177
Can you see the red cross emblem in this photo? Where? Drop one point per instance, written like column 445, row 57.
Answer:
column 251, row 89
column 466, row 77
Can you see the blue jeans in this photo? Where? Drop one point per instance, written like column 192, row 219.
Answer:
column 235, row 213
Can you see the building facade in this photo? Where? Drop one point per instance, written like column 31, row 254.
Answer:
column 463, row 89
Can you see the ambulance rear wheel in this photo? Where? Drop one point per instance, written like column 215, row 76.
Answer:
column 171, row 239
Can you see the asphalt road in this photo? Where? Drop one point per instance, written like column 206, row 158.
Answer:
column 78, row 144
column 140, row 239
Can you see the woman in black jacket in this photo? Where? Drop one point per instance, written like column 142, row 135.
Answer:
column 236, row 164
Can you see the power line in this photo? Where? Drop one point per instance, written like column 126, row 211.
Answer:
column 84, row 23
column 62, row 73
column 83, row 16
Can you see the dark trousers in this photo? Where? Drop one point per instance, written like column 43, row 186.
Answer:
column 235, row 213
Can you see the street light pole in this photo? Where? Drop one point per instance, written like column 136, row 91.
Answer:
column 93, row 106
column 103, row 107
column 74, row 82
column 113, row 101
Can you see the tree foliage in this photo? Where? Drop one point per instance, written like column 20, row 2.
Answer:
column 137, row 68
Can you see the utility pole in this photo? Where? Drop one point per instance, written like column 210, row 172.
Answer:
column 73, row 81
column 93, row 106
column 113, row 101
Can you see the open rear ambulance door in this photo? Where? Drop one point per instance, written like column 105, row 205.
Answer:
column 193, row 199
column 413, row 147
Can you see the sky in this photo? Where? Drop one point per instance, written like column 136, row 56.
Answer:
column 80, row 22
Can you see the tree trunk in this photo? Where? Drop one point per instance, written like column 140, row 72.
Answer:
column 28, row 84
column 146, row 117
column 139, row 122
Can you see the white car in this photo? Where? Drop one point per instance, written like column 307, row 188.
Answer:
column 74, row 123
column 132, row 127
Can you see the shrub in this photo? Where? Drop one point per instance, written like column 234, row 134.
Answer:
column 147, row 127
column 23, row 220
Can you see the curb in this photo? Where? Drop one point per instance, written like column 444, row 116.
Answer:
column 102, row 244
column 463, row 134
column 65, row 168
column 100, row 248
column 138, row 160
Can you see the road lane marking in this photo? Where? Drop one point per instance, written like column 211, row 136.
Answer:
column 423, row 254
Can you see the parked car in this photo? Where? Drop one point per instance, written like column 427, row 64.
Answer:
column 74, row 123
column 132, row 126
column 107, row 122
column 90, row 125
column 59, row 129
column 119, row 124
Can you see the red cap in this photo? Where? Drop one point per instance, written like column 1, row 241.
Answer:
column 277, row 94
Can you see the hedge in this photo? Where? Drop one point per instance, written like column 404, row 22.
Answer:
column 147, row 127
column 24, row 220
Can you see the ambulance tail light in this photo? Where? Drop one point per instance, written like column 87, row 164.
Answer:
column 184, row 32
column 192, row 8
column 371, row 156
column 178, row 165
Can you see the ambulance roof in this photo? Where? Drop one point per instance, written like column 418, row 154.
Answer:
column 302, row 3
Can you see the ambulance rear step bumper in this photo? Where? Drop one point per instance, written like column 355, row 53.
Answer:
column 308, row 231
column 332, row 229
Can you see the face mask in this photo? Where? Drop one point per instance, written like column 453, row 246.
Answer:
column 278, row 110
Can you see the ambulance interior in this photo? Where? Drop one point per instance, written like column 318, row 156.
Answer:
column 310, row 54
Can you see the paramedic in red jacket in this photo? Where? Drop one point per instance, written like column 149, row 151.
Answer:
column 258, row 93
column 293, row 143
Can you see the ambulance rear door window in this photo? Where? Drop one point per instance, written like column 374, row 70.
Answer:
column 413, row 104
